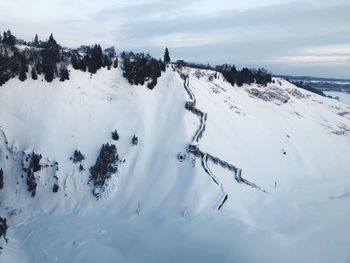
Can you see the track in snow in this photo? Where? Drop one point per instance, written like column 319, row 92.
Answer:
column 193, row 147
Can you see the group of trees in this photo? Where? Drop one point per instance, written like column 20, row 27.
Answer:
column 232, row 75
column 49, row 58
column 77, row 157
column 12, row 62
column 245, row 75
column 115, row 135
column 8, row 39
column 93, row 59
column 306, row 86
column 3, row 229
column 140, row 68
column 33, row 167
column 105, row 166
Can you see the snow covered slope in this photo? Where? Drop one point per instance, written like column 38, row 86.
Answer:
column 287, row 141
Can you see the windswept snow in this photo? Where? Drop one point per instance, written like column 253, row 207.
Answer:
column 292, row 143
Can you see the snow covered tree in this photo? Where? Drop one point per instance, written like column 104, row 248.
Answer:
column 110, row 52
column 166, row 56
column 106, row 165
column 34, row 166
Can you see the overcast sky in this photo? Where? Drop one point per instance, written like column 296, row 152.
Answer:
column 310, row 37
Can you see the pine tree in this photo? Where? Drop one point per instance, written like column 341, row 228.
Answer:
column 22, row 74
column 166, row 56
column 53, row 48
column 34, row 74
column 36, row 40
column 64, row 74
column 50, row 56
column 9, row 39
column 49, row 74
column 115, row 63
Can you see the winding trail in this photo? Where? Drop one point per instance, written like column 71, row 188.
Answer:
column 193, row 147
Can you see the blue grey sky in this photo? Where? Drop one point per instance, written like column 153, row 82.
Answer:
column 309, row 37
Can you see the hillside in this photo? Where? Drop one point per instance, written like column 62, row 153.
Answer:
column 287, row 190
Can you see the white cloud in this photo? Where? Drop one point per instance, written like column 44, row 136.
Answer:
column 329, row 49
column 312, row 59
column 243, row 32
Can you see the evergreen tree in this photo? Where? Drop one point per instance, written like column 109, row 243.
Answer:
column 115, row 135
column 53, row 49
column 239, row 79
column 64, row 74
column 34, row 74
column 36, row 40
column 23, row 67
column 115, row 63
column 247, row 76
column 9, row 39
column 22, row 75
column 166, row 56
column 49, row 74
column 110, row 52
column 50, row 56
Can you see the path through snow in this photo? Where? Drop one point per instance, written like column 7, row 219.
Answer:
column 193, row 147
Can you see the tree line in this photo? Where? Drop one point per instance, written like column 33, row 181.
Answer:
column 48, row 58
column 234, row 76
column 303, row 85
column 140, row 68
column 245, row 76
column 52, row 60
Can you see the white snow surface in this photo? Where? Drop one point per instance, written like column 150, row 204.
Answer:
column 157, row 209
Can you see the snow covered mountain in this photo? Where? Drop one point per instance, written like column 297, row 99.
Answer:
column 219, row 173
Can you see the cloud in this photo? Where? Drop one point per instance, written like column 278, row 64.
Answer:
column 313, row 59
column 272, row 33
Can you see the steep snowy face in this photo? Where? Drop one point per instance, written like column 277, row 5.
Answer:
column 53, row 120
column 277, row 133
column 224, row 166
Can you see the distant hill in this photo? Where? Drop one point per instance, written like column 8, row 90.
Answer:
column 323, row 84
